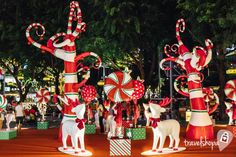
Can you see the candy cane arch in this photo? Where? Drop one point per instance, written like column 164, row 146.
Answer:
column 200, row 124
column 66, row 50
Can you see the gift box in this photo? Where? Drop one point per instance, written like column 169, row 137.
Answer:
column 7, row 134
column 136, row 133
column 42, row 125
column 90, row 128
column 127, row 123
column 120, row 147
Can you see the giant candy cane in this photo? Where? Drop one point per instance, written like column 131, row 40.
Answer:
column 200, row 124
column 66, row 51
column 208, row 92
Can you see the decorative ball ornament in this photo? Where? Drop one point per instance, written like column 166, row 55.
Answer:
column 3, row 101
column 88, row 93
column 43, row 96
column 119, row 86
column 138, row 89
column 230, row 89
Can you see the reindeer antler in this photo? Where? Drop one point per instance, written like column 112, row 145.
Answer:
column 165, row 101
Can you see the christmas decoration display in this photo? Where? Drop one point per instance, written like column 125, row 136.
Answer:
column 120, row 147
column 76, row 130
column 3, row 102
column 208, row 93
column 90, row 128
column 230, row 92
column 42, row 125
column 119, row 86
column 161, row 129
column 42, row 108
column 137, row 94
column 66, row 50
column 136, row 133
column 138, row 89
column 147, row 113
column 88, row 93
column 118, row 119
column 7, row 135
column 200, row 124
column 43, row 96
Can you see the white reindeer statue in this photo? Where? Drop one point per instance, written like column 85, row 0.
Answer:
column 75, row 129
column 161, row 129
column 147, row 113
column 229, row 112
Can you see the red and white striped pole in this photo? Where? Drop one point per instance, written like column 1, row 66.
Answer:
column 200, row 125
column 66, row 51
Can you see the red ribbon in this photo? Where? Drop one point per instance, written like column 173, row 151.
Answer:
column 227, row 111
column 80, row 123
column 154, row 121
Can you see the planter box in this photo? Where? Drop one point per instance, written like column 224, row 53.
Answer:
column 42, row 125
column 7, row 135
column 136, row 133
column 90, row 128
column 120, row 147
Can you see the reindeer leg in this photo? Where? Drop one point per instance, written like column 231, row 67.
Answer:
column 230, row 119
column 162, row 141
column 176, row 143
column 81, row 140
column 148, row 121
column 64, row 137
column 171, row 142
column 155, row 140
column 72, row 142
column 75, row 141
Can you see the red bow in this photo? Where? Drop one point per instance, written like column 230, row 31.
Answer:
column 154, row 121
column 227, row 111
column 80, row 123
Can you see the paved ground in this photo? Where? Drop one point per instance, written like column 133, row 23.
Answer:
column 32, row 142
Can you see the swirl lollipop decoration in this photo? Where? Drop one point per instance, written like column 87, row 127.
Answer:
column 43, row 95
column 3, row 102
column 230, row 92
column 119, row 86
column 230, row 89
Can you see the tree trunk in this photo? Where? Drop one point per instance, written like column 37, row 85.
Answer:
column 151, row 70
column 221, row 71
column 57, row 83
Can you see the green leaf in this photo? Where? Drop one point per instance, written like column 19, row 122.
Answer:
column 113, row 27
column 137, row 25
column 112, row 11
